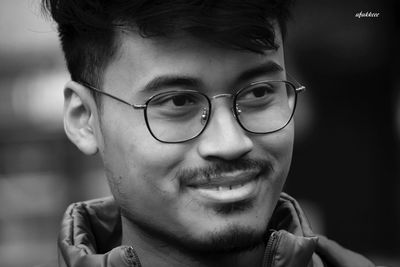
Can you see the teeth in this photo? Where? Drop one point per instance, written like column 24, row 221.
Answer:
column 219, row 188
column 228, row 192
column 236, row 186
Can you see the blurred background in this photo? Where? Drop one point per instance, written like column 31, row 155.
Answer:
column 346, row 163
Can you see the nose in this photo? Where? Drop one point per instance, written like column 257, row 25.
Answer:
column 224, row 138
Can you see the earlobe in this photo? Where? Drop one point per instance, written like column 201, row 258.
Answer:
column 79, row 121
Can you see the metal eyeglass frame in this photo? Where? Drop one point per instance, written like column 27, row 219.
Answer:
column 236, row 112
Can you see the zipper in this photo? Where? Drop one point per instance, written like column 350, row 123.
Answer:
column 270, row 249
column 132, row 257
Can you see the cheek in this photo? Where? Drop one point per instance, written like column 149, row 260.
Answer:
column 279, row 147
column 139, row 165
column 144, row 173
column 129, row 148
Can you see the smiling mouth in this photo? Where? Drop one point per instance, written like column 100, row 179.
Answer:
column 229, row 188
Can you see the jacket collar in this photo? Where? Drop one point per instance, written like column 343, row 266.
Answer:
column 91, row 234
column 292, row 242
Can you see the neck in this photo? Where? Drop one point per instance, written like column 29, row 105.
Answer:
column 156, row 252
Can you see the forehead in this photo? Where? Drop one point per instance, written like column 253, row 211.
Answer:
column 141, row 59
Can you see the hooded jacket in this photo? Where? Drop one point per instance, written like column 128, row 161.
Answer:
column 91, row 235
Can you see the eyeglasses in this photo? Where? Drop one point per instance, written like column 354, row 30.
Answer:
column 178, row 116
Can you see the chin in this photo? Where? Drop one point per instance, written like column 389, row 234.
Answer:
column 234, row 238
column 232, row 227
column 233, row 230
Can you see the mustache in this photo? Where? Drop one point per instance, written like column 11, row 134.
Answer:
column 216, row 169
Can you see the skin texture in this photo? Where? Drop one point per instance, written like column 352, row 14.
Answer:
column 162, row 217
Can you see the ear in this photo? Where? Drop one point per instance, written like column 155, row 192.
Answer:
column 79, row 117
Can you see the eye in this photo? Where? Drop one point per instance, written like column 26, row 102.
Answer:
column 177, row 105
column 257, row 92
column 178, row 101
column 182, row 100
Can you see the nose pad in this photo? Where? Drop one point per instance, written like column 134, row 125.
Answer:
column 238, row 110
column 204, row 116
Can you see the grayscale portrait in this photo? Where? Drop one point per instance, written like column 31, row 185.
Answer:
column 199, row 133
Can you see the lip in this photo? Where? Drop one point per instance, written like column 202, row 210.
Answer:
column 229, row 188
column 226, row 179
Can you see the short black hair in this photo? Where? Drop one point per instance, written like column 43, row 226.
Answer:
column 88, row 28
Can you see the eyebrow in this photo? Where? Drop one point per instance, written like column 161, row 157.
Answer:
column 269, row 67
column 171, row 80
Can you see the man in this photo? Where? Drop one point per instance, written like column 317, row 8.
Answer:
column 190, row 107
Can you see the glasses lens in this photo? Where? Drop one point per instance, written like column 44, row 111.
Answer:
column 177, row 116
column 266, row 106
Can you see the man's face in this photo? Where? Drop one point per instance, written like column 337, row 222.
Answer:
column 164, row 189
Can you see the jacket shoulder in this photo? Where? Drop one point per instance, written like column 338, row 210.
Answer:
column 95, row 225
column 289, row 216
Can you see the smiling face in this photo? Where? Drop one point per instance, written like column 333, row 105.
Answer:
column 215, row 192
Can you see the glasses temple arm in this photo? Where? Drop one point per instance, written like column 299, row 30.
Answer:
column 109, row 95
column 299, row 88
